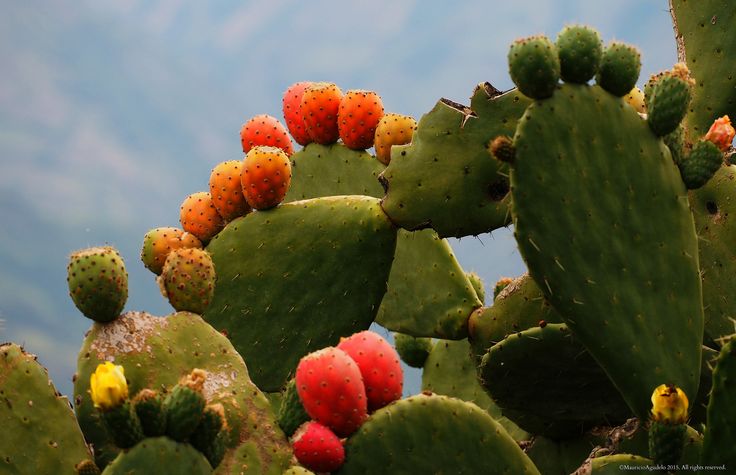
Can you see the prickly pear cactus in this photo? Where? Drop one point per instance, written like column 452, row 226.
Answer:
column 719, row 444
column 39, row 432
column 167, row 456
column 156, row 352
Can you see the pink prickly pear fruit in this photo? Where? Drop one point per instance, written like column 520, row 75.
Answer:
column 379, row 365
column 317, row 448
column 331, row 389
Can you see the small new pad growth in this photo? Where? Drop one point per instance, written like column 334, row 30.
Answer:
column 477, row 284
column 580, row 50
column 148, row 405
column 98, row 282
column 412, row 350
column 619, row 68
column 534, row 66
column 291, row 412
column 188, row 278
column 184, row 406
column 703, row 162
column 667, row 104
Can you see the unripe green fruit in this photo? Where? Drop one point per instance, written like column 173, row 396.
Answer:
column 666, row 442
column 184, row 407
column 619, row 68
column 148, row 405
column 412, row 350
column 291, row 413
column 123, row 425
column 580, row 51
column 477, row 284
column 98, row 282
column 667, row 104
column 534, row 66
column 703, row 162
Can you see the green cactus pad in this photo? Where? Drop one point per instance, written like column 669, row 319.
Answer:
column 433, row 434
column 520, row 305
column 478, row 285
column 434, row 299
column 163, row 456
column 580, row 51
column 619, row 68
column 701, row 164
column 295, row 279
column 712, row 206
column 602, row 220
column 450, row 370
column 534, row 66
column 706, row 34
column 667, row 105
column 98, row 282
column 39, row 432
column 445, row 178
column 332, row 170
column 413, row 350
column 545, row 381
column 719, row 442
column 291, row 413
column 156, row 352
column 611, row 464
column 205, row 434
column 561, row 457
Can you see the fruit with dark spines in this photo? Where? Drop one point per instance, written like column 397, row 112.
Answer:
column 266, row 177
column 580, row 50
column 379, row 365
column 318, row 448
column 291, row 411
column 670, row 97
column 534, row 66
column 701, row 164
column 619, row 68
column 265, row 130
column 98, row 282
column 291, row 104
column 330, row 386
column 319, row 109
column 478, row 285
column 148, row 406
column 502, row 148
column 199, row 216
column 212, row 422
column 226, row 190
column 188, row 279
column 184, row 406
column 635, row 98
column 413, row 350
column 359, row 114
column 392, row 129
column 159, row 242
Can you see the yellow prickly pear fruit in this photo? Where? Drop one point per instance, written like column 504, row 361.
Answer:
column 635, row 98
column 392, row 129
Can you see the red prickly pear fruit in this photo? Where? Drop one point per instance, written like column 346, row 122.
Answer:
column 265, row 130
column 331, row 389
column 199, row 216
column 317, row 448
column 226, row 190
column 358, row 117
column 379, row 365
column 292, row 102
column 393, row 129
column 319, row 109
column 159, row 242
column 266, row 177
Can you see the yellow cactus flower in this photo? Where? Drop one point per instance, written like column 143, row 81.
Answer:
column 108, row 386
column 669, row 404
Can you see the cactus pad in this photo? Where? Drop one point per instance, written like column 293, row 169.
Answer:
column 39, row 432
column 297, row 278
column 433, row 434
column 444, row 178
column 719, row 443
column 167, row 456
column 619, row 261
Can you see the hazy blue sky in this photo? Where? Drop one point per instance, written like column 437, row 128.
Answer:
column 111, row 112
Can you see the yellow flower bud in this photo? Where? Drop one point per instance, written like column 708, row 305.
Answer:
column 108, row 386
column 669, row 404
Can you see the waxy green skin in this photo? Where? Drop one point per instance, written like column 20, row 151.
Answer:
column 167, row 456
column 39, row 432
column 98, row 282
column 719, row 443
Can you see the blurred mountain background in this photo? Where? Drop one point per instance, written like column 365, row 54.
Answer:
column 111, row 112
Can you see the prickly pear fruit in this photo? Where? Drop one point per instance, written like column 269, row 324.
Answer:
column 534, row 66
column 668, row 429
column 502, row 149
column 291, row 412
column 188, row 278
column 619, row 68
column 477, row 284
column 635, row 98
column 87, row 467
column 123, row 425
column 667, row 105
column 357, row 119
column 330, row 386
column 580, row 51
column 199, row 216
column 501, row 284
column 703, row 162
column 159, row 242
column 266, row 177
column 318, row 448
column 265, row 130
column 226, row 190
column 379, row 365
column 721, row 133
column 393, row 129
column 148, row 405
column 319, row 109
column 292, row 114
column 98, row 282
column 413, row 350
column 184, row 406
column 205, row 435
